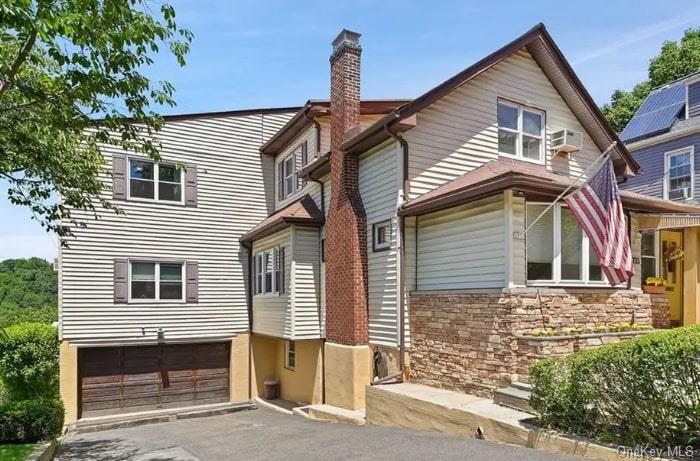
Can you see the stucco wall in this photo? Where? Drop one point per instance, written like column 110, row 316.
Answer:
column 468, row 341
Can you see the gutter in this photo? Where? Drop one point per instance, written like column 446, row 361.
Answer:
column 402, row 264
column 249, row 302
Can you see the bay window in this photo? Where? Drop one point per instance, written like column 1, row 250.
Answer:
column 520, row 132
column 558, row 252
column 156, row 281
column 154, row 181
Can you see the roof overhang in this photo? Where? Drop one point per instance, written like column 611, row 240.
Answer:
column 667, row 221
column 317, row 168
column 302, row 211
column 313, row 108
column 553, row 63
column 534, row 182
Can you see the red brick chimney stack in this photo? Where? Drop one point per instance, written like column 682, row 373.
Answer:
column 346, row 226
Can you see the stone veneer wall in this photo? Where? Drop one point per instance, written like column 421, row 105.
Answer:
column 468, row 341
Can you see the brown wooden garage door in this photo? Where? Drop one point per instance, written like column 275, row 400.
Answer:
column 139, row 378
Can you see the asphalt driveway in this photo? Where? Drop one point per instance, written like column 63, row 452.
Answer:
column 265, row 434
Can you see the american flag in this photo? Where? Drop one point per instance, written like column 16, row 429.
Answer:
column 598, row 209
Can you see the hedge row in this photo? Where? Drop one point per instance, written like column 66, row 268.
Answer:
column 640, row 392
column 30, row 409
column 27, row 421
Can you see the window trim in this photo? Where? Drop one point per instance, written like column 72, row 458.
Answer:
column 156, row 181
column 290, row 349
column 157, row 299
column 519, row 132
column 376, row 246
column 301, row 150
column 259, row 272
column 556, row 256
column 690, row 150
column 655, row 257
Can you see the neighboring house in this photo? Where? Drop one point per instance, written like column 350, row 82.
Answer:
column 664, row 138
column 305, row 245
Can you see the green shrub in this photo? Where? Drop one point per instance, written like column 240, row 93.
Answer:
column 26, row 421
column 29, row 361
column 640, row 392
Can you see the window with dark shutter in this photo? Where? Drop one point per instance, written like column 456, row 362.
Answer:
column 119, row 177
column 280, row 270
column 192, row 280
column 190, row 185
column 121, row 292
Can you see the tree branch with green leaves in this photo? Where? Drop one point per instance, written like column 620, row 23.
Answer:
column 72, row 83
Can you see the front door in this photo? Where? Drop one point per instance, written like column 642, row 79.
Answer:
column 672, row 271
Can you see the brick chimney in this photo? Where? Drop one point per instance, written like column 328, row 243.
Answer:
column 346, row 226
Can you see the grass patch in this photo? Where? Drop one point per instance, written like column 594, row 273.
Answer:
column 16, row 452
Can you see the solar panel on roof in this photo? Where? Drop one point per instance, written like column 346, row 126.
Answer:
column 657, row 113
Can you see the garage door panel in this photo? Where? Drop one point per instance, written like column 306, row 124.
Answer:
column 131, row 379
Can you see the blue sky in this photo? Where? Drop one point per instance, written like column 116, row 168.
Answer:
column 275, row 53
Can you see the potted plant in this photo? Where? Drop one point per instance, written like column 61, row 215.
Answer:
column 654, row 285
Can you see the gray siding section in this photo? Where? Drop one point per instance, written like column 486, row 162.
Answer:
column 379, row 187
column 231, row 200
column 694, row 99
column 652, row 160
column 462, row 247
column 306, row 273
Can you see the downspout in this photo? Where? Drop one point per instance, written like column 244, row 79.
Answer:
column 402, row 266
column 317, row 127
column 249, row 301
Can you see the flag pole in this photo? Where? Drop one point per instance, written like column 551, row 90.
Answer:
column 600, row 159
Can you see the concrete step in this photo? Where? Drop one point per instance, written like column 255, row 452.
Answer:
column 527, row 387
column 337, row 414
column 103, row 423
column 514, row 397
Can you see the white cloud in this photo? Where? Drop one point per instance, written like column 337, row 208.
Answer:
column 26, row 246
column 638, row 35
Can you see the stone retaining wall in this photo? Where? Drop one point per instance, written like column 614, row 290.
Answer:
column 468, row 341
column 531, row 348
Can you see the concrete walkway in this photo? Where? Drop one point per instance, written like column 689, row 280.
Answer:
column 264, row 434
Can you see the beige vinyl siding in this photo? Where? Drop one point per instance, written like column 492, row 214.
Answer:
column 231, row 200
column 306, row 268
column 379, row 187
column 325, row 122
column 460, row 132
column 273, row 313
column 518, row 261
column 462, row 247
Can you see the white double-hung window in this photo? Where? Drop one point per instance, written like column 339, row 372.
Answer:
column 558, row 252
column 269, row 271
column 520, row 132
column 679, row 183
column 150, row 180
column 288, row 178
column 156, row 281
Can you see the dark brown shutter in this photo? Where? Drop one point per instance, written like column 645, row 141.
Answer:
column 280, row 270
column 280, row 181
column 191, row 185
column 121, row 282
column 304, row 159
column 192, row 281
column 119, row 177
column 254, row 272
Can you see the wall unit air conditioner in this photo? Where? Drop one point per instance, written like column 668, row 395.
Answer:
column 680, row 194
column 567, row 140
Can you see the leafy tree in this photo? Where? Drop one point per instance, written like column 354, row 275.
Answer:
column 28, row 291
column 675, row 60
column 63, row 65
